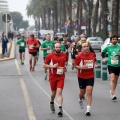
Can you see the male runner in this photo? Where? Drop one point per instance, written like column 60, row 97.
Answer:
column 22, row 45
column 85, row 63
column 113, row 63
column 56, row 62
column 47, row 47
column 32, row 44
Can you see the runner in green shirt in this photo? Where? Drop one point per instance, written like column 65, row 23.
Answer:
column 113, row 63
column 62, row 46
column 47, row 47
column 22, row 45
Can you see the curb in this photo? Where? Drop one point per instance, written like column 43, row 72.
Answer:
column 11, row 53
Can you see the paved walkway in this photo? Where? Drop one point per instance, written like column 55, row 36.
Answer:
column 10, row 52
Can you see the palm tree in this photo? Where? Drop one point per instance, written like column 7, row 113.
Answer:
column 95, row 18
column 115, row 14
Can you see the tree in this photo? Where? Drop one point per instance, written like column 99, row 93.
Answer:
column 17, row 18
column 104, row 18
column 95, row 18
column 24, row 24
column 115, row 19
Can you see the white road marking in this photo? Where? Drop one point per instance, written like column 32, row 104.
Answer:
column 27, row 101
column 67, row 114
column 18, row 68
column 30, row 111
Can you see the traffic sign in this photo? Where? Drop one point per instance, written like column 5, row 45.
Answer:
column 8, row 17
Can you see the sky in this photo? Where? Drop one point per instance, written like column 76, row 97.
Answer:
column 20, row 6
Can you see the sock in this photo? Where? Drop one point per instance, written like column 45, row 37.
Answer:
column 60, row 106
column 88, row 108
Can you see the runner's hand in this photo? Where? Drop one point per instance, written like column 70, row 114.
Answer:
column 55, row 65
column 95, row 65
column 84, row 67
column 118, row 53
column 104, row 59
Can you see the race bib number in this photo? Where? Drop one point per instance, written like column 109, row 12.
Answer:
column 59, row 71
column 30, row 46
column 89, row 63
column 49, row 51
column 22, row 44
column 114, row 60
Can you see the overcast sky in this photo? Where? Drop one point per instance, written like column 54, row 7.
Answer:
column 20, row 6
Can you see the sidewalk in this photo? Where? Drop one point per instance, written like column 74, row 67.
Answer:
column 11, row 50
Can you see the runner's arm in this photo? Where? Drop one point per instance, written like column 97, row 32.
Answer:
column 50, row 66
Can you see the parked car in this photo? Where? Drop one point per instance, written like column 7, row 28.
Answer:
column 96, row 42
column 107, row 43
column 60, row 35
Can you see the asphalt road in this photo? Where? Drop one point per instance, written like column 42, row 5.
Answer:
column 25, row 95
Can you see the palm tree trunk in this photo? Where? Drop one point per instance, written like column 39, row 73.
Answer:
column 104, row 19
column 78, row 15
column 64, row 13
column 95, row 18
column 115, row 14
column 56, row 14
column 70, row 17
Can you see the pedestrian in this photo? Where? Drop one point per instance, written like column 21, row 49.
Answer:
column 47, row 47
column 85, row 63
column 56, row 62
column 113, row 63
column 4, row 44
column 22, row 45
column 32, row 44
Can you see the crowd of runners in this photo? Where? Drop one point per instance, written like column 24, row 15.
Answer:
column 56, row 54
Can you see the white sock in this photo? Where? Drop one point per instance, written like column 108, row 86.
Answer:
column 88, row 108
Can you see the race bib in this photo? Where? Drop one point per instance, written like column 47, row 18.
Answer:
column 22, row 44
column 60, row 71
column 89, row 63
column 30, row 46
column 114, row 60
column 49, row 51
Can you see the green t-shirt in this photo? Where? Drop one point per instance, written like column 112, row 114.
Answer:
column 46, row 44
column 113, row 58
column 63, row 49
column 22, row 44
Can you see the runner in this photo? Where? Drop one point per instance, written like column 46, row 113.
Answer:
column 22, row 45
column 32, row 44
column 84, row 40
column 67, row 45
column 80, row 41
column 73, row 51
column 85, row 63
column 38, row 49
column 113, row 51
column 47, row 47
column 62, row 46
column 56, row 62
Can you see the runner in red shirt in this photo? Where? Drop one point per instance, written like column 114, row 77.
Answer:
column 56, row 62
column 32, row 44
column 85, row 63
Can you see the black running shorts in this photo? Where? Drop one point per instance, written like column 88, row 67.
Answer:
column 20, row 51
column 33, row 53
column 83, row 83
column 115, row 70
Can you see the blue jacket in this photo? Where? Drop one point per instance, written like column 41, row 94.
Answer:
column 4, row 41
